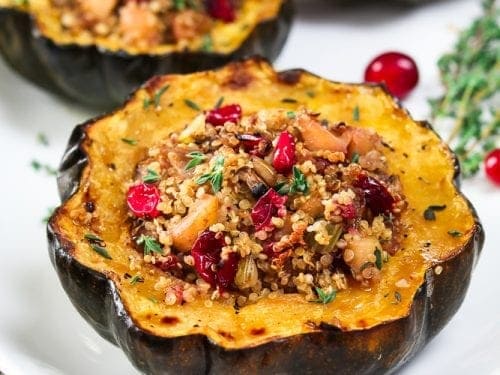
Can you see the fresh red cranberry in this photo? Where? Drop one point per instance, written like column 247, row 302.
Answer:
column 228, row 113
column 398, row 71
column 206, row 252
column 377, row 197
column 269, row 205
column 492, row 166
column 254, row 144
column 142, row 200
column 222, row 10
column 284, row 155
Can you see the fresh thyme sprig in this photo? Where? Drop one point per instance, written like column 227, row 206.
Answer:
column 471, row 76
column 215, row 176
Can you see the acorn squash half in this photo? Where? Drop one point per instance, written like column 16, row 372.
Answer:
column 98, row 72
column 362, row 331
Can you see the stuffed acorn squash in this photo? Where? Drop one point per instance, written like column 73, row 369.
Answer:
column 244, row 220
column 98, row 51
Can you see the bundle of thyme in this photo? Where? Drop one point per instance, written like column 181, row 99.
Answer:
column 471, row 76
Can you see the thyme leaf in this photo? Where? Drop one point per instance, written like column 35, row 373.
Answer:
column 136, row 279
column 192, row 104
column 325, row 297
column 299, row 182
column 151, row 177
column 129, row 141
column 155, row 100
column 355, row 113
column 378, row 257
column 42, row 139
column 150, row 245
column 430, row 212
column 455, row 233
column 196, row 159
column 100, row 250
column 219, row 102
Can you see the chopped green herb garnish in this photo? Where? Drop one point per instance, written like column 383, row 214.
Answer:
column 158, row 95
column 290, row 115
column 37, row 166
column 430, row 212
column 215, row 176
column 324, row 297
column 289, row 100
column 455, row 233
column 156, row 98
column 378, row 257
column 355, row 113
column 471, row 80
column 152, row 299
column 42, row 139
column 207, row 44
column 136, row 279
column 22, row 2
column 397, row 298
column 151, row 177
column 192, row 104
column 299, row 182
column 129, row 141
column 150, row 245
column 282, row 188
column 179, row 4
column 92, row 237
column 310, row 93
column 219, row 102
column 355, row 158
column 100, row 250
column 196, row 159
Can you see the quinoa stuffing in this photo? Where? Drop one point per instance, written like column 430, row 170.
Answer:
column 149, row 23
column 244, row 207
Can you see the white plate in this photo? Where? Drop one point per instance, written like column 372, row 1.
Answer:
column 41, row 333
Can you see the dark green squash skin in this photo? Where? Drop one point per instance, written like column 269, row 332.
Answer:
column 328, row 351
column 102, row 79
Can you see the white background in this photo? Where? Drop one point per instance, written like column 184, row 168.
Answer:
column 41, row 333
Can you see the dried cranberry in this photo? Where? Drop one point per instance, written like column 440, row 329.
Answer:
column 269, row 205
column 228, row 113
column 206, row 252
column 284, row 155
column 398, row 71
column 142, row 200
column 321, row 164
column 254, row 144
column 377, row 197
column 168, row 263
column 268, row 249
column 492, row 166
column 222, row 10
